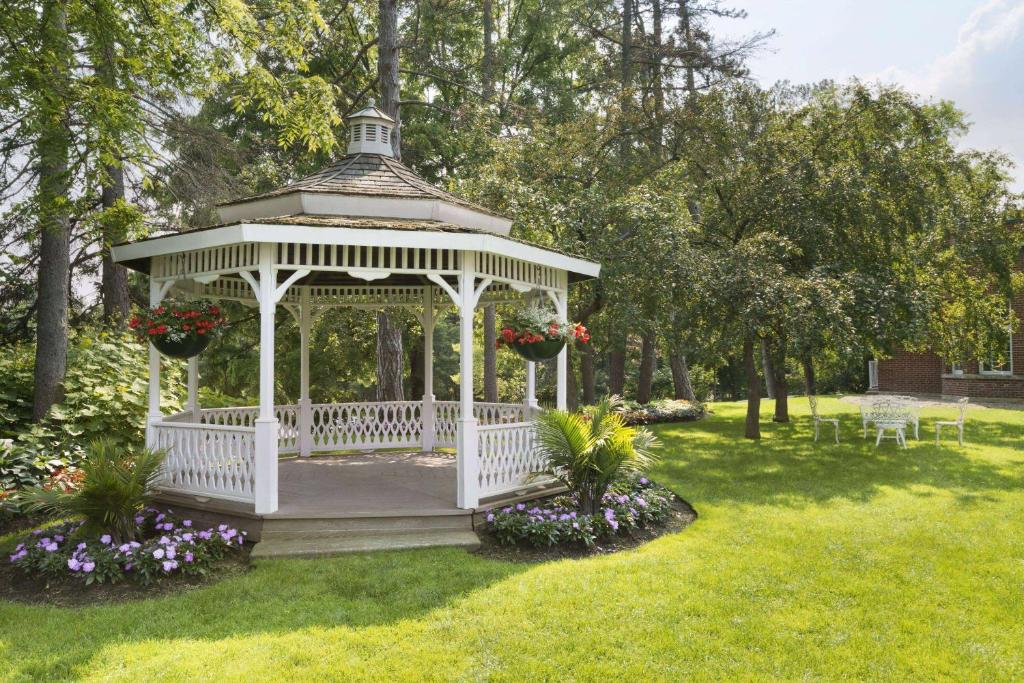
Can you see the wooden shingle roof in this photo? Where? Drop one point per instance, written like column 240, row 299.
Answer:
column 368, row 175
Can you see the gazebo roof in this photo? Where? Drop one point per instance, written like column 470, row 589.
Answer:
column 367, row 175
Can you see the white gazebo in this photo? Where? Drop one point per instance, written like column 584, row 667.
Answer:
column 365, row 232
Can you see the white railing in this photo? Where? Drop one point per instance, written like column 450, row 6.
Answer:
column 210, row 460
column 245, row 416
column 508, row 456
column 446, row 418
column 345, row 426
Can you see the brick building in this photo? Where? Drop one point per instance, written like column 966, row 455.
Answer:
column 926, row 373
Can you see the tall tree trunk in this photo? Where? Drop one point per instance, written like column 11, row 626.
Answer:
column 113, row 276
column 769, row 368
column 389, row 360
column 52, row 149
column 645, row 377
column 387, row 68
column 810, row 384
column 587, row 374
column 617, row 371
column 753, row 425
column 488, row 63
column 627, row 43
column 681, row 385
column 490, row 355
column 687, row 31
column 389, row 337
column 777, row 355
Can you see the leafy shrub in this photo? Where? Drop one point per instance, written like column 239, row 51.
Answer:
column 116, row 485
column 167, row 547
column 105, row 395
column 588, row 451
column 629, row 505
column 667, row 410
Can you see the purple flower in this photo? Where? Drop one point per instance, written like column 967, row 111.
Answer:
column 37, row 532
column 205, row 535
column 160, row 517
column 158, row 553
column 18, row 555
column 189, row 557
column 125, row 548
column 164, row 540
column 80, row 546
column 490, row 516
column 19, row 548
column 644, row 481
column 169, row 565
column 105, row 539
column 74, row 565
column 171, row 552
column 187, row 522
column 520, row 507
column 87, row 567
column 506, row 510
column 58, row 538
column 222, row 527
column 563, row 517
column 52, row 547
column 640, row 502
column 187, row 537
column 576, row 525
column 139, row 519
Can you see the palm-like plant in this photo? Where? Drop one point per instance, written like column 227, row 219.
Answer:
column 116, row 487
column 590, row 450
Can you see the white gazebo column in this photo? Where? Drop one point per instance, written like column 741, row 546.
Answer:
column 530, row 401
column 266, row 423
column 153, row 416
column 562, row 308
column 192, row 403
column 427, row 409
column 467, row 462
column 305, row 417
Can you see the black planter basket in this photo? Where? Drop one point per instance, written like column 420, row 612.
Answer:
column 186, row 348
column 539, row 351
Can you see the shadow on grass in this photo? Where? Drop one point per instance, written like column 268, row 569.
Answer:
column 276, row 596
column 712, row 461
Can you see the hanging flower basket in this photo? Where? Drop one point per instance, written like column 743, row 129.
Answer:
column 181, row 348
column 539, row 351
column 178, row 330
column 537, row 334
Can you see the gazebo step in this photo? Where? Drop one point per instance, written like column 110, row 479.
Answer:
column 285, row 526
column 312, row 545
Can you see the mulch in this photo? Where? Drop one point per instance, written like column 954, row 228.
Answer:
column 682, row 515
column 16, row 586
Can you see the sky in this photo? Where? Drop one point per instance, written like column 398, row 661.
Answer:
column 967, row 51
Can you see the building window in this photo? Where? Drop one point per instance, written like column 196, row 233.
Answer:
column 1000, row 362
column 957, row 369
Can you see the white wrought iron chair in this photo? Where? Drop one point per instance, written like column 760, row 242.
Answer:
column 813, row 400
column 890, row 414
column 913, row 413
column 865, row 415
column 958, row 423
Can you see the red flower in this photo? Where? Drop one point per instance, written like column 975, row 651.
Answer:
column 133, row 323
column 508, row 335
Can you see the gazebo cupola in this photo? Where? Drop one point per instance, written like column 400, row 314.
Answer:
column 369, row 132
column 363, row 232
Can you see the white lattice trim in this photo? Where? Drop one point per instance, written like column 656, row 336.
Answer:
column 345, row 426
column 508, row 457
column 208, row 460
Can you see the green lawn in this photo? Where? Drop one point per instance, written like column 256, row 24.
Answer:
column 808, row 561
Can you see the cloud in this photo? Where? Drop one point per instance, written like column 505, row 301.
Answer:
column 984, row 75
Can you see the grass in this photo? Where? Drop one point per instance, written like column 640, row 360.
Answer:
column 808, row 561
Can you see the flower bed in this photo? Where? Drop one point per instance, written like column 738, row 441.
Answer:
column 661, row 411
column 628, row 506
column 169, row 547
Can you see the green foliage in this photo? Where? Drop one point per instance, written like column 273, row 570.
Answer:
column 588, row 451
column 117, row 485
column 105, row 395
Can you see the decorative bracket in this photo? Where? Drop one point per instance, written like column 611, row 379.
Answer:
column 283, row 287
column 440, row 282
